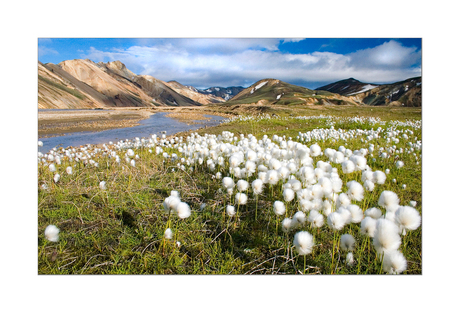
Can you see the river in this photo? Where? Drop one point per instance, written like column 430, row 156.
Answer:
column 155, row 124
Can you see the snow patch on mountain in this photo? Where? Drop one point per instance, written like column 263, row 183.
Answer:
column 363, row 89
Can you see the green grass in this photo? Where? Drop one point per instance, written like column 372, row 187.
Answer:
column 73, row 92
column 120, row 230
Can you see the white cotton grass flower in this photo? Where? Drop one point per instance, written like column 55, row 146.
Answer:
column 356, row 213
column 413, row 203
column 288, row 194
column 287, row 224
column 171, row 203
column 348, row 167
column 399, row 164
column 168, row 233
column 304, row 242
column 316, row 219
column 56, row 177
column 299, row 218
column 272, row 177
column 130, row 153
column 305, row 205
column 373, row 212
column 241, row 198
column 133, row 163
column 386, row 236
column 389, row 200
column 368, row 226
column 355, row 190
column 52, row 168
column 379, row 177
column 52, row 233
column 103, row 185
column 228, row 182
column 335, row 221
column 242, row 185
column 369, row 185
column 347, row 242
column 183, row 210
column 279, row 208
column 349, row 259
column 175, row 193
column 230, row 210
column 394, row 262
column 343, row 200
column 407, row 218
column 315, row 150
column 346, row 215
column 257, row 186
column 68, row 170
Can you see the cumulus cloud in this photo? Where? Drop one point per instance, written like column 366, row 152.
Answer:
column 240, row 62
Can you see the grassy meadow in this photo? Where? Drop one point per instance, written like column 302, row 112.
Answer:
column 111, row 213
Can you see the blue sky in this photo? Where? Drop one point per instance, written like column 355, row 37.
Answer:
column 207, row 62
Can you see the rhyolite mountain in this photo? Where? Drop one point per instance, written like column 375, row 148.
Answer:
column 78, row 84
column 194, row 94
column 273, row 91
column 225, row 93
column 85, row 84
column 403, row 93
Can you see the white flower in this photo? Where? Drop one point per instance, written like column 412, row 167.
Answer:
column 386, row 237
column 399, row 164
column 394, row 262
column 335, row 221
column 368, row 226
column 350, row 259
column 355, row 191
column 303, row 241
column 407, row 218
column 230, row 210
column 52, row 233
column 56, row 177
column 228, row 183
column 52, row 168
column 347, row 242
column 242, row 185
column 69, row 170
column 102, row 185
column 168, row 233
column 183, row 210
column 257, row 186
column 279, row 208
column 373, row 212
column 288, row 194
column 241, row 198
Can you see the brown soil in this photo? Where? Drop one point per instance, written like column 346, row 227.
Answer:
column 57, row 123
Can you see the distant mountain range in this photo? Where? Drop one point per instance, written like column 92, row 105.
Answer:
column 77, row 84
column 403, row 93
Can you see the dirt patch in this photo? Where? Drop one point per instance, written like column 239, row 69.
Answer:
column 188, row 118
column 56, row 123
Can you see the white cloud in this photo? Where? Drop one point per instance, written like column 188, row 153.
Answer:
column 229, row 62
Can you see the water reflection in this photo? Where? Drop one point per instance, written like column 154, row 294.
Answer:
column 153, row 125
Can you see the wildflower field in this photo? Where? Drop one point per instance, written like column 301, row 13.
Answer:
column 256, row 195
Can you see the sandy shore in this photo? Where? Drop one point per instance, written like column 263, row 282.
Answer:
column 55, row 123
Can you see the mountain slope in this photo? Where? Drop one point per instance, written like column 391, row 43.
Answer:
column 121, row 92
column 193, row 93
column 273, row 91
column 225, row 93
column 54, row 92
column 85, row 84
column 347, row 87
column 403, row 93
